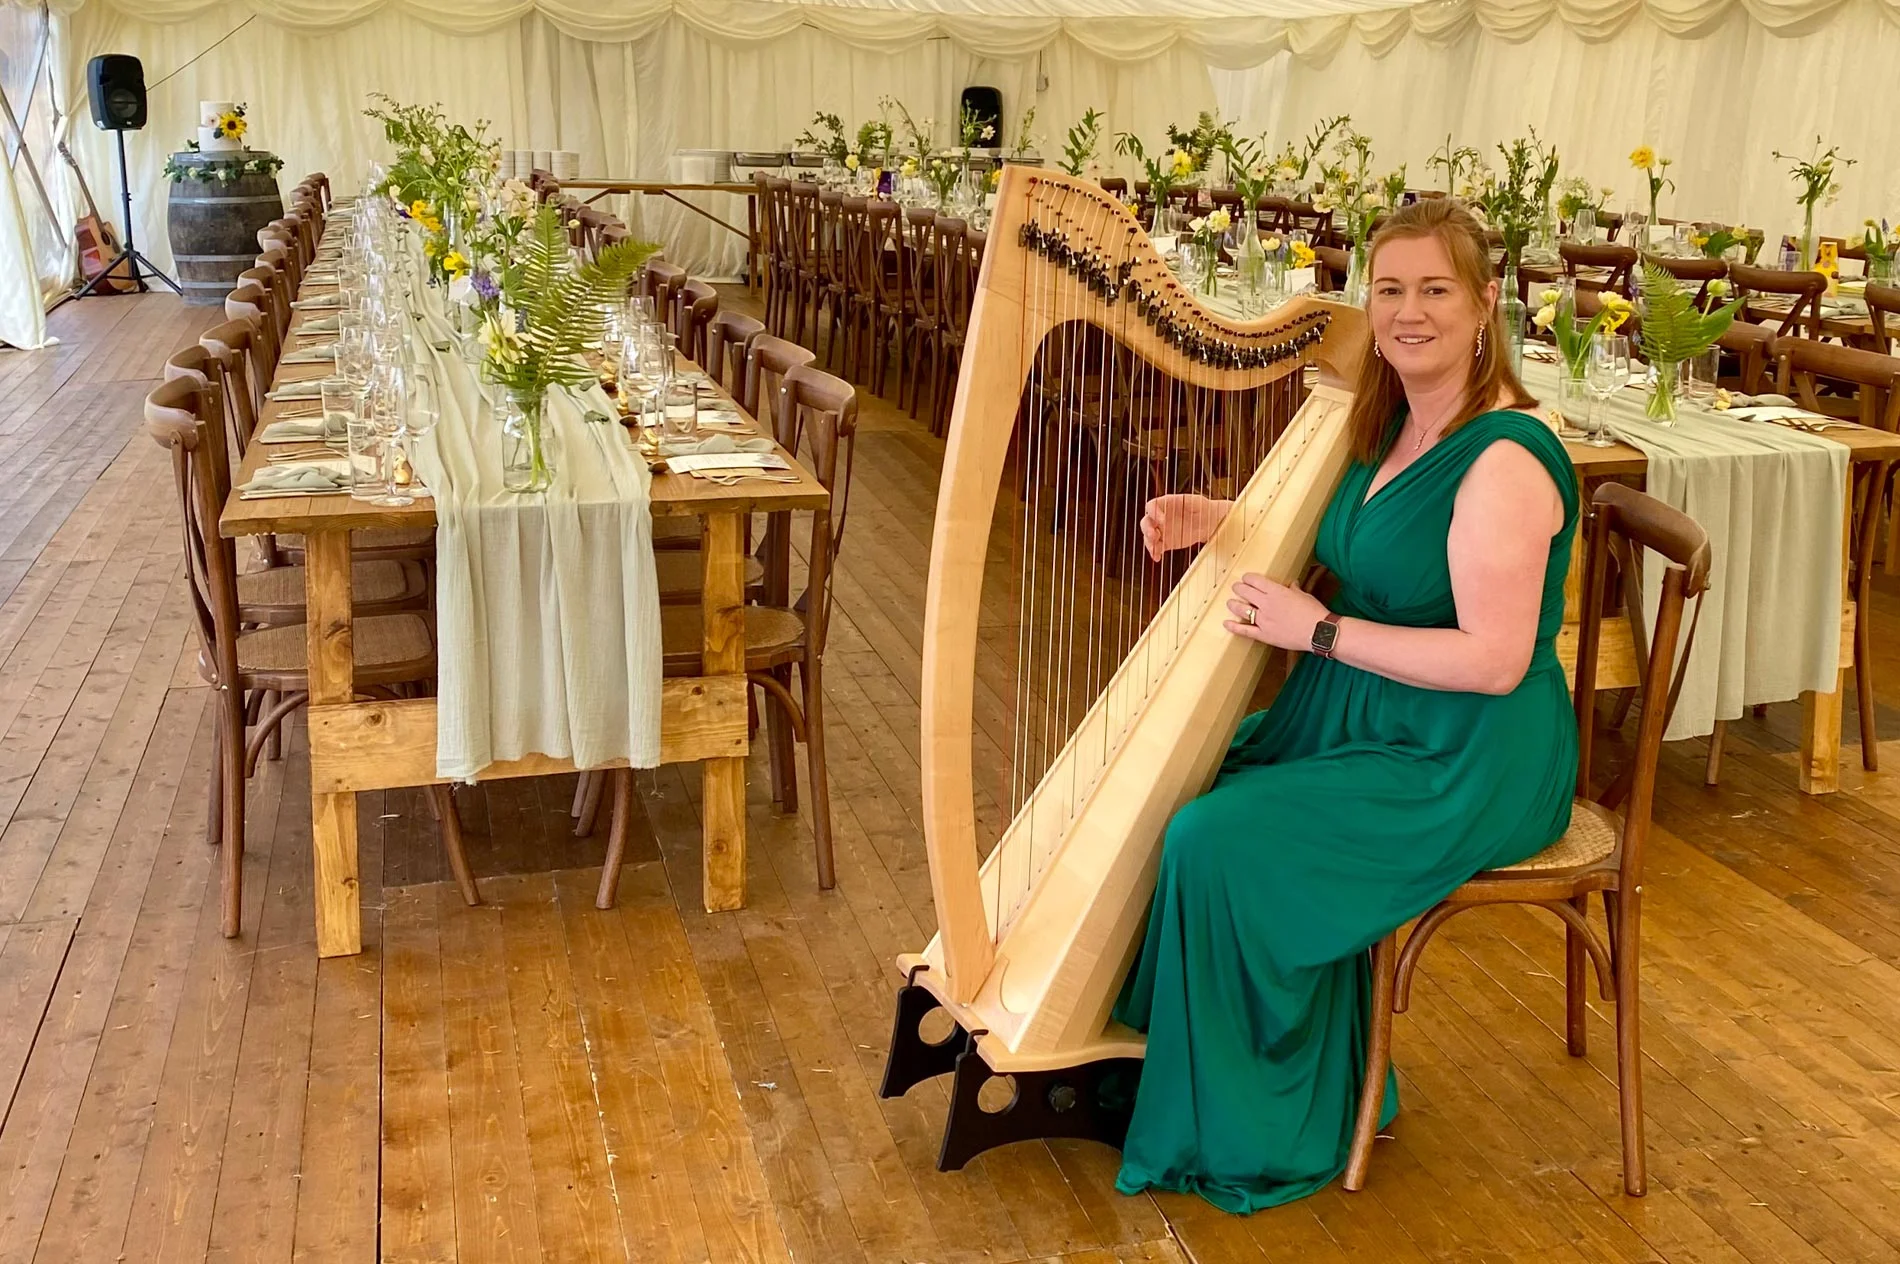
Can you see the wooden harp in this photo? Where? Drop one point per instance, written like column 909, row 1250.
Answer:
column 1075, row 694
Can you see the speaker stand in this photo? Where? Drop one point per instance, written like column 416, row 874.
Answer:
column 129, row 255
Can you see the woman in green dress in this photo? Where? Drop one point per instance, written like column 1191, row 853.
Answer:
column 1427, row 735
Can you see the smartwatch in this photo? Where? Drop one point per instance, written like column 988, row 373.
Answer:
column 1325, row 634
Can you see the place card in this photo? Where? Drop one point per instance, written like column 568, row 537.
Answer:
column 726, row 461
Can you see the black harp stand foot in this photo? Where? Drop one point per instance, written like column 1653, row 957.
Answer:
column 1090, row 1102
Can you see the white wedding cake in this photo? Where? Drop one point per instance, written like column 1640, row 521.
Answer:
column 221, row 127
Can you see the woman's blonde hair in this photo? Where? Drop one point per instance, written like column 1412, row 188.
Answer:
column 1380, row 393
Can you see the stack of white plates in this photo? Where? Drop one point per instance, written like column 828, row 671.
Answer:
column 505, row 164
column 567, row 164
column 544, row 160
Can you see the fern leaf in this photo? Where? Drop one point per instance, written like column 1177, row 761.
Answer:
column 1673, row 330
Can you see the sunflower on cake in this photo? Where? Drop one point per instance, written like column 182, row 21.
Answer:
column 221, row 126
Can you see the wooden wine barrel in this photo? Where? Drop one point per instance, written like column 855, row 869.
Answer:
column 214, row 223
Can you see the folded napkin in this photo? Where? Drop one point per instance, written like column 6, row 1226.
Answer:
column 1738, row 400
column 713, row 445
column 311, row 355
column 293, row 430
column 317, row 302
column 321, row 325
column 309, row 388
column 311, row 479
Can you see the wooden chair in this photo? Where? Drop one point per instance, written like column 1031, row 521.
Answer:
column 250, row 303
column 659, row 282
column 782, row 635
column 920, row 302
column 1864, row 386
column 1747, row 358
column 275, row 595
column 1617, row 260
column 393, row 652
column 889, row 298
column 1601, row 852
column 274, row 303
column 236, row 351
column 1883, row 303
column 729, row 337
column 832, row 308
column 953, row 292
column 1802, row 318
column 1333, row 264
column 805, row 286
column 694, row 306
column 1116, row 187
column 1694, row 271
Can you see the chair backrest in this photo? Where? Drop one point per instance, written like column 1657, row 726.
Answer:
column 768, row 360
column 1883, row 303
column 919, row 260
column 830, row 240
column 1619, row 260
column 1873, row 379
column 660, row 282
column 729, row 338
column 236, row 354
column 1333, row 266
column 801, row 226
column 884, row 254
column 269, row 272
column 277, row 244
column 1626, row 521
column 251, row 301
column 859, row 264
column 1116, row 187
column 1803, row 316
column 695, row 304
column 1695, row 271
column 954, row 289
column 181, row 414
column 821, row 411
column 1753, row 347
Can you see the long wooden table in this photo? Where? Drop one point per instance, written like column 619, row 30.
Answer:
column 374, row 745
column 1868, row 451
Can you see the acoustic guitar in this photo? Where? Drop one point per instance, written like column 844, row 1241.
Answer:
column 97, row 242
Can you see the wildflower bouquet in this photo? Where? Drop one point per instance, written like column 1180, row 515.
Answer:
column 833, row 144
column 1818, row 177
column 1078, row 152
column 1164, row 171
column 1644, row 159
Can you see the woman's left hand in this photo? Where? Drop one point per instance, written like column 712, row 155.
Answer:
column 1284, row 616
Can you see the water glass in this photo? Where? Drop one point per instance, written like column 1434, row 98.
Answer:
column 1699, row 375
column 681, row 418
column 1608, row 373
column 341, row 401
column 1586, row 225
column 365, row 448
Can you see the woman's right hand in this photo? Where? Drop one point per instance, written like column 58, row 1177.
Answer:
column 1180, row 522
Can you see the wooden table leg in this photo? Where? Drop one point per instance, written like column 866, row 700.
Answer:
column 332, row 679
column 1820, row 770
column 722, row 598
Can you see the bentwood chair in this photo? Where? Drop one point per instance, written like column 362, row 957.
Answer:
column 1883, row 304
column 249, row 302
column 659, row 282
column 1616, row 262
column 830, row 313
column 889, row 298
column 1747, row 361
column 694, row 306
column 394, row 653
column 1602, row 852
column 920, row 302
column 729, row 337
column 1802, row 317
column 1693, row 271
column 236, row 350
column 783, row 636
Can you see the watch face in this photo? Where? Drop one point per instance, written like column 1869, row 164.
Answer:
column 1324, row 635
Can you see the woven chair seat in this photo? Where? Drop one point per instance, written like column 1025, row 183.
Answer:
column 772, row 636
column 371, row 583
column 681, row 570
column 388, row 648
column 1591, row 837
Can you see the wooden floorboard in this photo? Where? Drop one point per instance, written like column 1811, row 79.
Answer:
column 536, row 1079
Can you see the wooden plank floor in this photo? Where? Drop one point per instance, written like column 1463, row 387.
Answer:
column 536, row 1080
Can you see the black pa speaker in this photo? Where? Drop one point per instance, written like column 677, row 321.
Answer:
column 987, row 105
column 115, row 82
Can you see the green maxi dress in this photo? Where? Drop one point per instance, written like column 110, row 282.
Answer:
column 1350, row 806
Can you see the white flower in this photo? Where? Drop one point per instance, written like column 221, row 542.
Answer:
column 1196, row 225
column 1220, row 221
column 1375, row 200
column 989, row 133
column 1324, row 203
column 1545, row 318
column 427, row 156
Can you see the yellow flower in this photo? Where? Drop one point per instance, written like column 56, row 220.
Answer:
column 418, row 209
column 1183, row 164
column 909, row 169
column 432, row 247
column 1545, row 318
column 1302, row 255
column 1220, row 221
column 1550, row 298
column 850, row 162
column 455, row 263
column 996, row 177
column 1271, row 245
column 1643, row 156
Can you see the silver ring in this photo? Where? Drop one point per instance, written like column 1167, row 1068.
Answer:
column 1250, row 615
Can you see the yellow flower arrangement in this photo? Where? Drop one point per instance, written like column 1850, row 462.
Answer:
column 1302, row 255
column 1616, row 311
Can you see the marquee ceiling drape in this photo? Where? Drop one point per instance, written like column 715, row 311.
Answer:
column 1718, row 84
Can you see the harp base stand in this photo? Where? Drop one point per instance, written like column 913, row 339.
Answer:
column 1092, row 1101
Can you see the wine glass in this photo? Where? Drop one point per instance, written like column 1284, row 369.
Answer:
column 388, row 409
column 424, row 410
column 1607, row 373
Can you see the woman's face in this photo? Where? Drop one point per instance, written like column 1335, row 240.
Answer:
column 1425, row 320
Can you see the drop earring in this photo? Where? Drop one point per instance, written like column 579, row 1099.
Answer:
column 1377, row 350
column 1479, row 353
